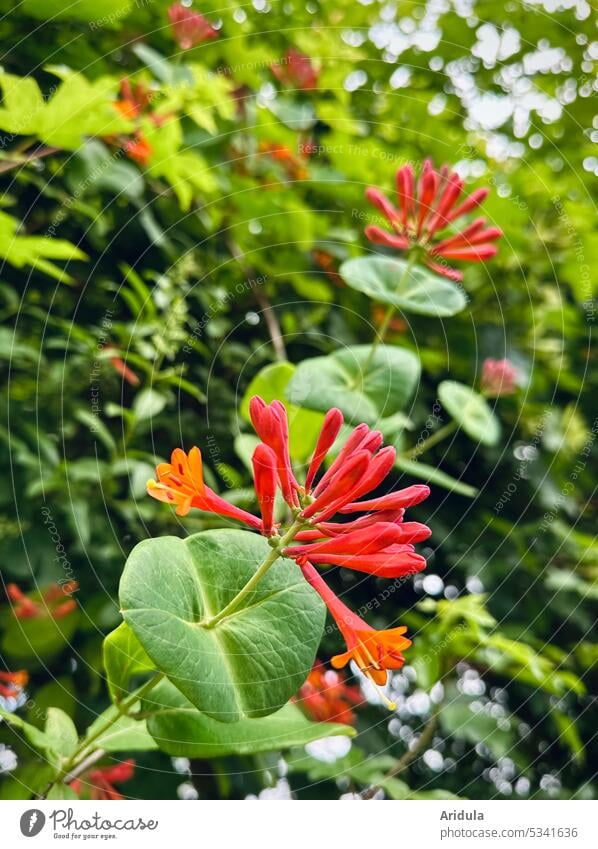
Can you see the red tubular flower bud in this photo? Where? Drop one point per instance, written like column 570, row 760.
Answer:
column 472, row 202
column 332, row 529
column 296, row 70
column 188, row 27
column 382, row 237
column 122, row 368
column 405, row 184
column 363, row 541
column 342, row 484
column 451, row 193
column 330, row 430
column 499, row 377
column 408, row 497
column 120, row 773
column 396, row 561
column 271, row 425
column 380, row 466
column 428, row 186
column 473, row 254
column 350, row 447
column 64, row 609
column 410, row 532
column 462, row 238
column 265, row 476
column 15, row 593
column 382, row 203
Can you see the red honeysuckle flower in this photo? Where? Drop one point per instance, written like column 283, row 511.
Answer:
column 99, row 783
column 296, row 71
column 325, row 696
column 50, row 604
column 382, row 548
column 373, row 651
column 408, row 497
column 133, row 99
column 265, row 473
column 139, row 149
column 498, row 378
column 271, row 425
column 23, row 606
column 123, row 369
column 424, row 212
column 333, row 421
column 13, row 683
column 189, row 28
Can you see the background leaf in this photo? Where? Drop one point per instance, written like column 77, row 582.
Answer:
column 181, row 730
column 364, row 390
column 414, row 289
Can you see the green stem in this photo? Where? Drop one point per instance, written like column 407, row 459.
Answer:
column 381, row 332
column 276, row 552
column 81, row 752
column 436, row 437
column 14, row 159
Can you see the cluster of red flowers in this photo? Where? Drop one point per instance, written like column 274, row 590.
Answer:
column 98, row 784
column 296, row 71
column 51, row 602
column 379, row 542
column 326, row 697
column 498, row 378
column 425, row 210
column 189, row 28
column 12, row 683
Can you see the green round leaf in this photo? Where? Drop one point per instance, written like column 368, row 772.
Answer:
column 420, row 291
column 470, row 410
column 252, row 661
column 148, row 403
column 364, row 390
column 60, row 729
column 181, row 730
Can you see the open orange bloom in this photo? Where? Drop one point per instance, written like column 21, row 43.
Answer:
column 12, row 683
column 373, row 651
column 181, row 483
column 139, row 149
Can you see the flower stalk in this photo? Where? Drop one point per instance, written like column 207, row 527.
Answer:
column 388, row 315
column 82, row 754
column 278, row 544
